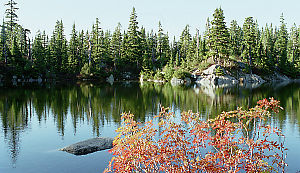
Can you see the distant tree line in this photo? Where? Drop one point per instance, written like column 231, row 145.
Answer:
column 98, row 53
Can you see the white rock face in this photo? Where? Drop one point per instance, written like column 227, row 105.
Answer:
column 212, row 70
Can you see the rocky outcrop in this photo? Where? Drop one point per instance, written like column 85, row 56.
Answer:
column 89, row 146
column 210, row 78
column 251, row 81
column 275, row 77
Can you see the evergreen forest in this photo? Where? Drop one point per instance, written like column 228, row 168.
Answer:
column 97, row 53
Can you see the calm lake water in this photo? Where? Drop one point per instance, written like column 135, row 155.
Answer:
column 38, row 120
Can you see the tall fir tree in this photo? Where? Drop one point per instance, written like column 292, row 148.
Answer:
column 134, row 41
column 249, row 41
column 115, row 46
column 58, row 48
column 281, row 44
column 269, row 47
column 236, row 35
column 11, row 15
column 219, row 37
column 73, row 52
column 293, row 44
column 162, row 48
column 184, row 43
column 39, row 54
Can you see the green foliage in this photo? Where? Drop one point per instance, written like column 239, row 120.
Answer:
column 219, row 36
column 159, row 75
column 249, row 40
column 281, row 45
column 86, row 70
column 136, row 48
column 181, row 74
column 147, row 74
column 168, row 72
column 220, row 71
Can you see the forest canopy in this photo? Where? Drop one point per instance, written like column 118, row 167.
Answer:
column 97, row 53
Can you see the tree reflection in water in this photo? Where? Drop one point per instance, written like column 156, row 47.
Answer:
column 97, row 104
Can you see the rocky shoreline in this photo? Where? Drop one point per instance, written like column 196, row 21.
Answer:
column 210, row 78
column 206, row 78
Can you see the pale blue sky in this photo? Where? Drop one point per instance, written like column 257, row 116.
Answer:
column 173, row 14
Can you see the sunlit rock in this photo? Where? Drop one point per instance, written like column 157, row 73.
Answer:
column 176, row 81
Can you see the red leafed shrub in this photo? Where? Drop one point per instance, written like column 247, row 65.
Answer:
column 236, row 141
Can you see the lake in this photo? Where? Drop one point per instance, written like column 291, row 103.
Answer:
column 38, row 120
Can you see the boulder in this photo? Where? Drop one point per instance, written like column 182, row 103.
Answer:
column 213, row 81
column 279, row 77
column 110, row 79
column 187, row 81
column 176, row 81
column 89, row 146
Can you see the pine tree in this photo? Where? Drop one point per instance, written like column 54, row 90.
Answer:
column 236, row 35
column 4, row 47
column 268, row 42
column 82, row 50
column 38, row 54
column 106, row 51
column 293, row 44
column 281, row 44
column 97, row 51
column 115, row 46
column 134, row 40
column 58, row 48
column 184, row 43
column 145, row 50
column 249, row 41
column 219, row 37
column 152, row 45
column 11, row 15
column 162, row 48
column 73, row 52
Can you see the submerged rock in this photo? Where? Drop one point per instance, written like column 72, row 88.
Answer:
column 89, row 146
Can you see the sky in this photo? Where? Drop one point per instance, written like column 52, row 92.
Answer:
column 173, row 14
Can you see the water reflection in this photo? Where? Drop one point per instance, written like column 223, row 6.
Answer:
column 98, row 104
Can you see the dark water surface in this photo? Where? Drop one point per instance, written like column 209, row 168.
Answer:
column 38, row 120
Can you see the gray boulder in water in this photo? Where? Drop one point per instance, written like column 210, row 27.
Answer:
column 89, row 146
